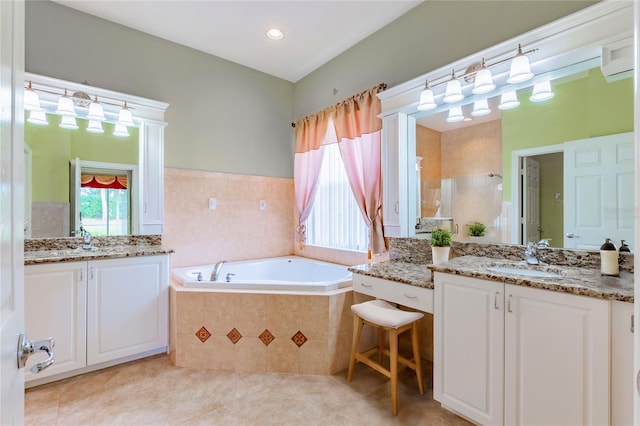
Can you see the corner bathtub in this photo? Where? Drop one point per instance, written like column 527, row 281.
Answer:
column 290, row 273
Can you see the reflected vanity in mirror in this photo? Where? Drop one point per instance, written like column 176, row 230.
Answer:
column 84, row 174
column 549, row 168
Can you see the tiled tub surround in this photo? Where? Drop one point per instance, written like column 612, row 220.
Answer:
column 236, row 229
column 67, row 249
column 260, row 332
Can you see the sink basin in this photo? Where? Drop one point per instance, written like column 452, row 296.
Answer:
column 524, row 272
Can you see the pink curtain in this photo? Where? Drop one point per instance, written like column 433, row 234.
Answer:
column 312, row 133
column 355, row 125
column 359, row 130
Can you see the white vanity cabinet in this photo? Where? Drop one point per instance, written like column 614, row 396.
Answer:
column 622, row 375
column 56, row 306
column 550, row 349
column 99, row 312
column 415, row 297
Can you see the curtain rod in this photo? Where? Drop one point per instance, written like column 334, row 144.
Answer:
column 381, row 86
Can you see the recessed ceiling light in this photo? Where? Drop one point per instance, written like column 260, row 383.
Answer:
column 275, row 34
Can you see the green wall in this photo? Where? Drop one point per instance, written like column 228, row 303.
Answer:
column 551, row 209
column 582, row 108
column 52, row 147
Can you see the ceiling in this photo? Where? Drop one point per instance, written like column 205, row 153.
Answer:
column 315, row 31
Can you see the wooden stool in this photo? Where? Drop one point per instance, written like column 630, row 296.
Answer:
column 386, row 317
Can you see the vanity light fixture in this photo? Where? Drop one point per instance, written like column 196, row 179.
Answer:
column 31, row 99
column 39, row 118
column 483, row 80
column 124, row 116
column 480, row 108
column 68, row 122
column 542, row 92
column 455, row 115
column 96, row 113
column 509, row 100
column 65, row 105
column 426, row 98
column 95, row 126
column 520, row 70
column 121, row 130
column 481, row 76
column 453, row 92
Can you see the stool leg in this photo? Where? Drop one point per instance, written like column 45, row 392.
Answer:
column 357, row 331
column 380, row 344
column 416, row 356
column 393, row 364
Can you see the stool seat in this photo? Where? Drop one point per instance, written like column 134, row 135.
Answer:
column 386, row 318
column 384, row 314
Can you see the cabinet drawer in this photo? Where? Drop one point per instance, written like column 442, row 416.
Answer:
column 407, row 295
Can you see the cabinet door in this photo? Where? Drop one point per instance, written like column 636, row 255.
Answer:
column 128, row 307
column 469, row 347
column 556, row 358
column 152, row 178
column 55, row 306
column 622, row 383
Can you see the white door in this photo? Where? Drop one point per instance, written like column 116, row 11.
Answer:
column 598, row 188
column 11, row 210
column 556, row 358
column 531, row 200
column 468, row 341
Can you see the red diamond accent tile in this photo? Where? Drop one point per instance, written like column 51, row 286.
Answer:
column 203, row 334
column 299, row 338
column 266, row 337
column 234, row 335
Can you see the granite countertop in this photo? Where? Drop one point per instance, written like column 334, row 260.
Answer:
column 397, row 270
column 52, row 250
column 581, row 281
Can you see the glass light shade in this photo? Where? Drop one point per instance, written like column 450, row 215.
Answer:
column 68, row 122
column 520, row 70
column 480, row 108
column 426, row 100
column 95, row 112
column 125, row 118
column 31, row 100
column 509, row 100
column 484, row 82
column 95, row 126
column 542, row 92
column 455, row 115
column 65, row 106
column 453, row 93
column 39, row 118
column 121, row 131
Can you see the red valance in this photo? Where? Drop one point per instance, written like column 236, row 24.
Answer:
column 101, row 181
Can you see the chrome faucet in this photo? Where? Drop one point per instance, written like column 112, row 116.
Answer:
column 86, row 238
column 216, row 269
column 532, row 254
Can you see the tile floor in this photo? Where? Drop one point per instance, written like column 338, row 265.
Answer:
column 153, row 392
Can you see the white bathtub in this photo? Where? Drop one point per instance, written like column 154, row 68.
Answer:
column 290, row 273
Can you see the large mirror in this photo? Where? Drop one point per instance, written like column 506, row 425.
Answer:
column 516, row 172
column 100, row 167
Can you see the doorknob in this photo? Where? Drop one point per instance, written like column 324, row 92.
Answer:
column 570, row 235
column 27, row 347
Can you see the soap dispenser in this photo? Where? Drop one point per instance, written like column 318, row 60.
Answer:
column 624, row 248
column 609, row 259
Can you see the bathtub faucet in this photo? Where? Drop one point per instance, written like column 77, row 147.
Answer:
column 216, row 269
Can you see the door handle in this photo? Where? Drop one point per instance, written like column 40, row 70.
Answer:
column 27, row 347
column 571, row 235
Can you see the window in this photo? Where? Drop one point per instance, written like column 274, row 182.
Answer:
column 335, row 220
column 104, row 204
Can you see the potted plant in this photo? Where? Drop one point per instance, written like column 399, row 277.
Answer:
column 476, row 230
column 440, row 245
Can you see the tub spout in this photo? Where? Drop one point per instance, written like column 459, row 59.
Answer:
column 216, row 269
